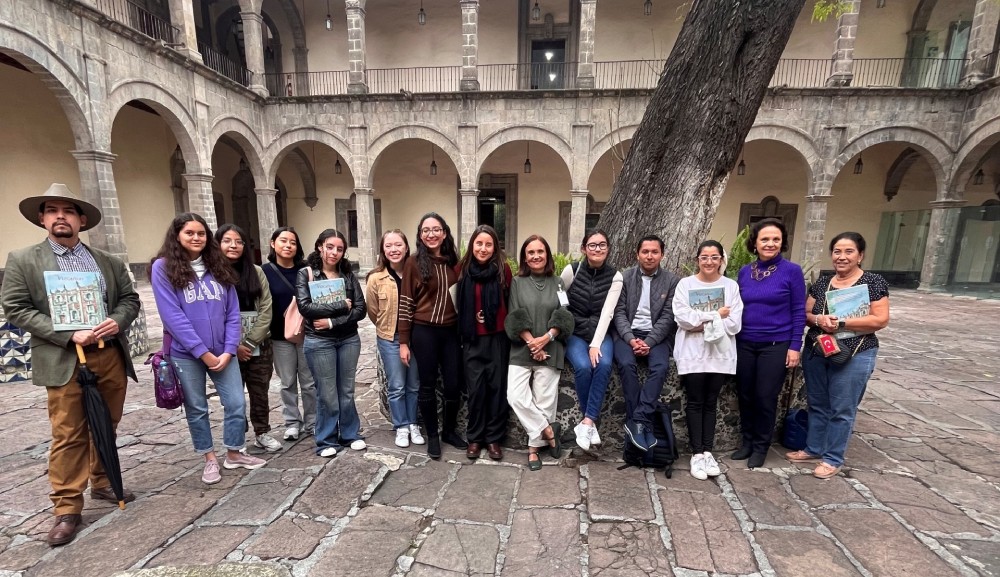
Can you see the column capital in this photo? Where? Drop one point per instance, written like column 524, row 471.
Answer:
column 364, row 191
column 819, row 198
column 947, row 203
column 468, row 191
column 98, row 155
column 354, row 5
column 579, row 193
column 266, row 191
column 252, row 16
column 199, row 177
column 469, row 4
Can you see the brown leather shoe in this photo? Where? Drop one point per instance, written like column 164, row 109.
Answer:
column 106, row 494
column 473, row 450
column 64, row 530
column 495, row 451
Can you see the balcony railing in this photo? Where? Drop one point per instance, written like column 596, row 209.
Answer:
column 224, row 65
column 619, row 75
column 138, row 18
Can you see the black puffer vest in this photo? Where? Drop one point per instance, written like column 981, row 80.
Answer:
column 586, row 298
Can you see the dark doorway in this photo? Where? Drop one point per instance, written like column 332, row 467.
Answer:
column 492, row 209
column 548, row 64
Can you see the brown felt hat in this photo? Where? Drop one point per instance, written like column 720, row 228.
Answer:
column 31, row 206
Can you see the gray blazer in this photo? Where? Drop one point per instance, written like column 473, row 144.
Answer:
column 24, row 301
column 661, row 298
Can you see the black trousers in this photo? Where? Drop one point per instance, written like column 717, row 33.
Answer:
column 760, row 373
column 436, row 349
column 485, row 363
column 702, row 397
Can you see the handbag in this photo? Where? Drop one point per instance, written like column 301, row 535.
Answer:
column 829, row 345
column 796, row 429
column 166, row 385
column 293, row 318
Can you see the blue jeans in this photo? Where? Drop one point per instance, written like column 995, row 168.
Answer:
column 834, row 393
column 591, row 382
column 334, row 365
column 229, row 386
column 401, row 383
column 641, row 398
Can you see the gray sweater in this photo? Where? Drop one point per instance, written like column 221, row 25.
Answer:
column 537, row 310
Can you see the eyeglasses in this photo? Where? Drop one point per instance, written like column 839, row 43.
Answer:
column 435, row 230
column 333, row 248
column 232, row 242
column 597, row 246
column 706, row 258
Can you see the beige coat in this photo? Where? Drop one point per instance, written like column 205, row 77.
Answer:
column 382, row 298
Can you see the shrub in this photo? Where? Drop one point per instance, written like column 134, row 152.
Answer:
column 738, row 254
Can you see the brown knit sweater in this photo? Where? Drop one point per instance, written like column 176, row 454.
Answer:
column 425, row 302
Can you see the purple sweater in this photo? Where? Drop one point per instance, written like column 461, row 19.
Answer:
column 202, row 317
column 774, row 308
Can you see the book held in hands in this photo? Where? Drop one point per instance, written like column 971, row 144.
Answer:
column 707, row 300
column 328, row 291
column 848, row 303
column 75, row 300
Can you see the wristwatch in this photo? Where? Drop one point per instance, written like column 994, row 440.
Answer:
column 841, row 324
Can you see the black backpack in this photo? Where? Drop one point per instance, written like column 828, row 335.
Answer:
column 661, row 456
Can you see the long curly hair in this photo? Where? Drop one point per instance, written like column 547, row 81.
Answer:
column 177, row 263
column 316, row 261
column 448, row 250
column 248, row 285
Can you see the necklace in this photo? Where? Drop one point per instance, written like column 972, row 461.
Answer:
column 538, row 285
column 758, row 274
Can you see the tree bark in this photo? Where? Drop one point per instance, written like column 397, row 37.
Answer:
column 694, row 126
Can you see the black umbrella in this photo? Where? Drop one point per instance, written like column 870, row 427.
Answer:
column 101, row 429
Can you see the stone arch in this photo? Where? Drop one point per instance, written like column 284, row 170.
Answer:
column 970, row 155
column 307, row 172
column 394, row 135
column 935, row 151
column 173, row 113
column 252, row 148
column 922, row 15
column 546, row 137
column 609, row 140
column 898, row 170
column 58, row 76
column 798, row 141
column 286, row 142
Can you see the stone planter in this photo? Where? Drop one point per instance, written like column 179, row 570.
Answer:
column 613, row 413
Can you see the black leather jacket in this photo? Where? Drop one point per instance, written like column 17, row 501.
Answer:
column 345, row 321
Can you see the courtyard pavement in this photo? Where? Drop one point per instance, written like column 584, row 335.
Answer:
column 920, row 494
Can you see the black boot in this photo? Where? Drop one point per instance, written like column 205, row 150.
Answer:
column 434, row 447
column 743, row 452
column 448, row 434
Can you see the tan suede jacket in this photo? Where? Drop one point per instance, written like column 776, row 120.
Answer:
column 383, row 304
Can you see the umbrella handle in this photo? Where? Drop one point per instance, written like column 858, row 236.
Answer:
column 100, row 343
column 80, row 355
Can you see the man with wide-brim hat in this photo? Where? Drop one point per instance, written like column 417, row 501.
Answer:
column 73, row 460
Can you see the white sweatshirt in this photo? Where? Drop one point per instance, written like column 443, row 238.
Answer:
column 691, row 352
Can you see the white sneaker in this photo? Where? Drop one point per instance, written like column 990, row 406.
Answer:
column 292, row 434
column 403, row 437
column 582, row 433
column 415, row 437
column 358, row 445
column 328, row 452
column 698, row 467
column 595, row 439
column 711, row 466
column 267, row 442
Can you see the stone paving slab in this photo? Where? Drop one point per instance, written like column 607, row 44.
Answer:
column 820, row 492
column 550, row 487
column 220, row 570
column 258, row 498
column 480, row 493
column 626, row 550
column 414, row 486
column 766, row 499
column 342, row 481
column 804, row 554
column 544, row 542
column 458, row 549
column 982, row 556
column 706, row 535
column 370, row 544
column 920, row 506
column 882, row 545
column 614, row 494
column 202, row 546
column 289, row 538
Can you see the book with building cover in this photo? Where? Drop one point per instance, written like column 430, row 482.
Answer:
column 707, row 300
column 247, row 320
column 848, row 303
column 328, row 291
column 75, row 300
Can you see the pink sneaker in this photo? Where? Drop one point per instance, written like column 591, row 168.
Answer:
column 210, row 475
column 244, row 461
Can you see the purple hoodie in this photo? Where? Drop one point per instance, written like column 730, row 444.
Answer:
column 202, row 317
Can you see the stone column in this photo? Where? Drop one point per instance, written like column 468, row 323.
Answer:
column 470, row 45
column 468, row 220
column 814, row 250
column 364, row 203
column 300, row 86
column 97, row 182
column 253, row 45
column 267, row 212
column 843, row 50
column 980, row 58
column 182, row 17
column 585, row 66
column 357, row 75
column 941, row 237
column 201, row 200
column 577, row 220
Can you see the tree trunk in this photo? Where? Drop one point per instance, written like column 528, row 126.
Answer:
column 694, row 126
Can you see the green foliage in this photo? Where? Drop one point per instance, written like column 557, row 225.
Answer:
column 512, row 263
column 561, row 260
column 823, row 9
column 738, row 254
